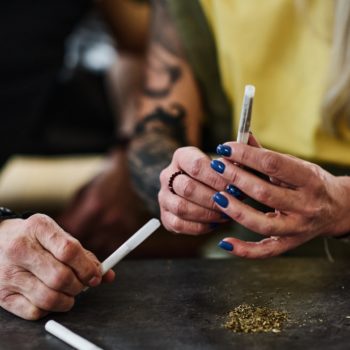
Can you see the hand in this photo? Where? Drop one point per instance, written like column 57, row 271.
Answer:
column 308, row 201
column 42, row 268
column 106, row 211
column 191, row 210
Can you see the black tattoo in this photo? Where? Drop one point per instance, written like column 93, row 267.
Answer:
column 172, row 73
column 160, row 133
column 156, row 138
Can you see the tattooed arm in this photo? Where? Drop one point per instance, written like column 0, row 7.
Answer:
column 169, row 107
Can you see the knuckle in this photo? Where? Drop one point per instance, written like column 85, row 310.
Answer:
column 68, row 249
column 197, row 166
column 180, row 207
column 176, row 225
column 270, row 163
column 49, row 300
column 262, row 194
column 59, row 278
column 237, row 216
column 188, row 186
column 33, row 313
column 38, row 220
column 17, row 248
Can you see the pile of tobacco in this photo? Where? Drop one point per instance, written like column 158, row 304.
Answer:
column 255, row 319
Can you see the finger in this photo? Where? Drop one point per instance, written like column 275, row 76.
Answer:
column 193, row 191
column 175, row 224
column 64, row 248
column 280, row 166
column 22, row 307
column 197, row 165
column 52, row 272
column 187, row 210
column 282, row 198
column 39, row 294
column 267, row 224
column 266, row 248
column 109, row 276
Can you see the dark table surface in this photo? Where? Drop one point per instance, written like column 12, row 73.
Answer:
column 182, row 304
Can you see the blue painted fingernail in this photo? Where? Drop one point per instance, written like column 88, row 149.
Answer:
column 225, row 216
column 224, row 150
column 213, row 225
column 233, row 191
column 225, row 245
column 220, row 199
column 218, row 166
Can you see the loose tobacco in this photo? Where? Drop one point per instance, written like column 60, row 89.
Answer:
column 255, row 319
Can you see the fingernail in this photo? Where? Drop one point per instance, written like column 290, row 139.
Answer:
column 220, row 199
column 95, row 281
column 218, row 166
column 213, row 225
column 226, row 245
column 224, row 150
column 225, row 216
column 233, row 191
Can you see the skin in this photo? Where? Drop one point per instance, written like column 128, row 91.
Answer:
column 169, row 87
column 42, row 268
column 307, row 201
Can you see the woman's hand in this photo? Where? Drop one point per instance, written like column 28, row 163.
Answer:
column 308, row 201
column 42, row 268
column 191, row 210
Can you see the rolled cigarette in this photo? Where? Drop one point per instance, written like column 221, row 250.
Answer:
column 135, row 240
column 69, row 337
column 246, row 114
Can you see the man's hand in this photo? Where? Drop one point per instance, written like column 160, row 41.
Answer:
column 42, row 268
column 106, row 211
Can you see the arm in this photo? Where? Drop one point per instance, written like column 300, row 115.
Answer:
column 169, row 107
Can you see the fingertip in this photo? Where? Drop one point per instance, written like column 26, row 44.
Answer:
column 95, row 281
column 109, row 276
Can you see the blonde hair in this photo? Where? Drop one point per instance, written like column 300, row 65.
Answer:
column 336, row 103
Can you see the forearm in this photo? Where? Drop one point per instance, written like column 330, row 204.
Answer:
column 169, row 111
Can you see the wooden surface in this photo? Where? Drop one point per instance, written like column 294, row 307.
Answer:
column 182, row 304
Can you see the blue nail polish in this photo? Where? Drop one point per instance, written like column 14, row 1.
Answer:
column 213, row 225
column 218, row 166
column 225, row 245
column 225, row 216
column 224, row 150
column 220, row 199
column 233, row 191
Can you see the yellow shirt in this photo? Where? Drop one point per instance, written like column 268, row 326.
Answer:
column 284, row 50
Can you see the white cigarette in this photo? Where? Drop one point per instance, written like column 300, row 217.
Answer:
column 135, row 240
column 69, row 337
column 246, row 114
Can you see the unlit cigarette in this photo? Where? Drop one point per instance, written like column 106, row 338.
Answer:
column 135, row 240
column 246, row 114
column 69, row 337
